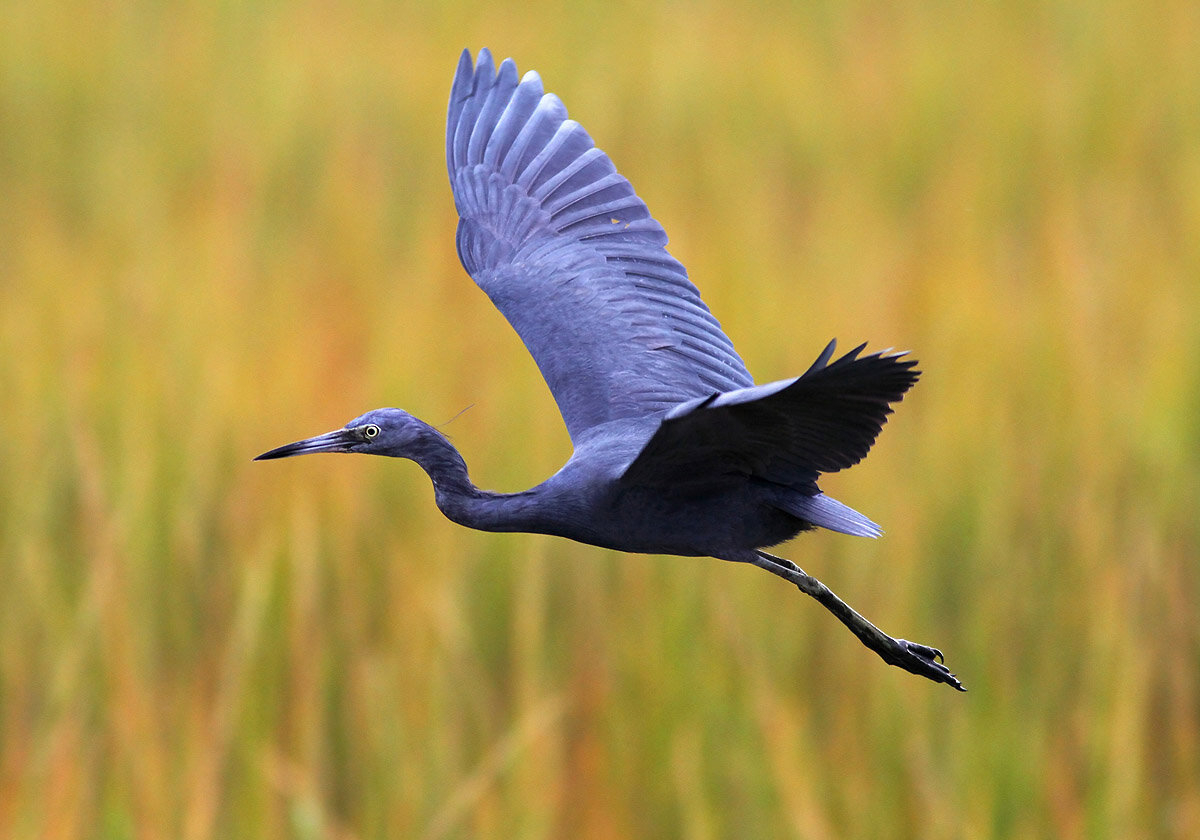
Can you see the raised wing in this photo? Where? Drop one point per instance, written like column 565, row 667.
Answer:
column 785, row 433
column 570, row 255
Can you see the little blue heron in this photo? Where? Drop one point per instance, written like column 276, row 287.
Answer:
column 676, row 450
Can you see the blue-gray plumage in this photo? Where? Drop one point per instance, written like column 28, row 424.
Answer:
column 676, row 450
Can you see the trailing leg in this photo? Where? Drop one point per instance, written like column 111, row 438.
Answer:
column 915, row 658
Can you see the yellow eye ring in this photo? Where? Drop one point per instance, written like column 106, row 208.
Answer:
column 370, row 431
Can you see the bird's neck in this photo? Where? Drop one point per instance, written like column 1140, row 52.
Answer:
column 456, row 497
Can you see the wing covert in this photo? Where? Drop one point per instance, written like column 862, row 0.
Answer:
column 566, row 250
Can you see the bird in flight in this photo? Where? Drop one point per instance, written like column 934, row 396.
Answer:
column 676, row 450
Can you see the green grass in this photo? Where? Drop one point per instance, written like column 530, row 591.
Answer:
column 226, row 226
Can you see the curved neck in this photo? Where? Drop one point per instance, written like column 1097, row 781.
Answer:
column 456, row 497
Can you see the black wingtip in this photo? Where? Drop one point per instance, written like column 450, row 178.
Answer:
column 824, row 358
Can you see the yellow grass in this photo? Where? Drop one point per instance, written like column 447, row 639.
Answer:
column 226, row 226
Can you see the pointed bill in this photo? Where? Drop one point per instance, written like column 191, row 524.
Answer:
column 339, row 440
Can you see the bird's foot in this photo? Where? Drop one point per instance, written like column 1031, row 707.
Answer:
column 922, row 660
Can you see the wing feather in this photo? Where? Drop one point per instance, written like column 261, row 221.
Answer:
column 786, row 432
column 568, row 252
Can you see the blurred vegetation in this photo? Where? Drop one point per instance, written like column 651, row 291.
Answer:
column 225, row 226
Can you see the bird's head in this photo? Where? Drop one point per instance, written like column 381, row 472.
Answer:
column 384, row 431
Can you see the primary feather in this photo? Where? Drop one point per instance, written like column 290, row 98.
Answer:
column 785, row 432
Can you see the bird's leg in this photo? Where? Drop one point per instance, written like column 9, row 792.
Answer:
column 918, row 659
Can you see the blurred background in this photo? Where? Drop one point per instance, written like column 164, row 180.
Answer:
column 226, row 226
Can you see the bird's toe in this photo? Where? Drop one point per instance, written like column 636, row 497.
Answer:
column 924, row 661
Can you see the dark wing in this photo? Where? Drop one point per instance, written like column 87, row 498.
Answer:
column 563, row 246
column 786, row 432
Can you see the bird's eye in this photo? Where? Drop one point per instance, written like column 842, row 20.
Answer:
column 371, row 431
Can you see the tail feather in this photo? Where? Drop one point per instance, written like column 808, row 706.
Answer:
column 829, row 513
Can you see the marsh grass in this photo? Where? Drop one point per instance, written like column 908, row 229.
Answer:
column 226, row 226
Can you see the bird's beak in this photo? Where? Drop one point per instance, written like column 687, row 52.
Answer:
column 339, row 440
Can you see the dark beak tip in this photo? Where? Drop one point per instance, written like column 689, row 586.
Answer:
column 335, row 441
column 285, row 451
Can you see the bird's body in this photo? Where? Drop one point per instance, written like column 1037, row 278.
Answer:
column 676, row 450
column 588, row 502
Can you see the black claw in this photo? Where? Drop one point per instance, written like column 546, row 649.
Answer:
column 923, row 661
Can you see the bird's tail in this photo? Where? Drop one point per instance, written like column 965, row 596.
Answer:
column 829, row 513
